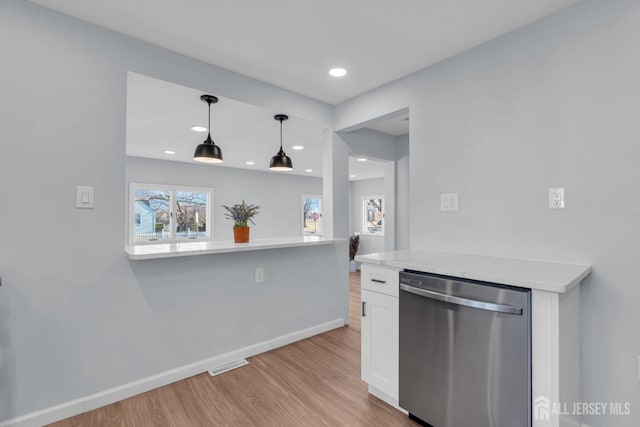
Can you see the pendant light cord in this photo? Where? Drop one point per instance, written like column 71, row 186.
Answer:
column 280, row 134
column 209, row 129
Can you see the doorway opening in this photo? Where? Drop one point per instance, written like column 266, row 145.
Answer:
column 378, row 191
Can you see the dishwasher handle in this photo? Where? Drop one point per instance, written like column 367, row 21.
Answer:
column 500, row 308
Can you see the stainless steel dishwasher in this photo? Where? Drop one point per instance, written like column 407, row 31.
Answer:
column 465, row 352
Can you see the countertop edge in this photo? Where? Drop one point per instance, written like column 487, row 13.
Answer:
column 505, row 279
column 257, row 245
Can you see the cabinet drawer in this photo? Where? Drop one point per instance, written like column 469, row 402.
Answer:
column 380, row 279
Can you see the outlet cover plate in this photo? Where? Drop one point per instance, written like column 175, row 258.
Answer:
column 556, row 198
column 449, row 202
column 259, row 275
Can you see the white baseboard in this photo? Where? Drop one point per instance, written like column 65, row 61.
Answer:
column 386, row 398
column 106, row 397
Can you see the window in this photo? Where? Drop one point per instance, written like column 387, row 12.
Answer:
column 312, row 215
column 373, row 215
column 162, row 213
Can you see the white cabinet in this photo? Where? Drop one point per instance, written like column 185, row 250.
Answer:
column 555, row 319
column 380, row 279
column 380, row 330
column 380, row 342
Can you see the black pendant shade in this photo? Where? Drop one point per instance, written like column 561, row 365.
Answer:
column 281, row 162
column 208, row 151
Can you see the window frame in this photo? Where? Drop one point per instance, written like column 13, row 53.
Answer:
column 321, row 222
column 364, row 205
column 172, row 189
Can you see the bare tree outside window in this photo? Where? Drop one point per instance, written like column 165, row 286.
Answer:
column 312, row 215
column 169, row 214
column 152, row 206
column 373, row 218
column 191, row 212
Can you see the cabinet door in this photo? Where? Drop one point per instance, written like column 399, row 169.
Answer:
column 380, row 342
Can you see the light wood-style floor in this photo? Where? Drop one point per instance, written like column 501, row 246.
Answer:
column 354, row 300
column 314, row 382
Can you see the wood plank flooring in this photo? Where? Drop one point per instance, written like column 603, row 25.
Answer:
column 314, row 382
column 354, row 300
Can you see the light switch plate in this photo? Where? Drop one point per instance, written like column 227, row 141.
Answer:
column 449, row 202
column 556, row 198
column 84, row 197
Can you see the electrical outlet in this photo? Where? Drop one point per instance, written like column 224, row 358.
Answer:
column 449, row 202
column 556, row 198
column 259, row 275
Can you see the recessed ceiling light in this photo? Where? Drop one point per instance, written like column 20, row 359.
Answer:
column 297, row 147
column 169, row 152
column 198, row 128
column 308, row 170
column 362, row 159
column 250, row 163
column 352, row 176
column 338, row 72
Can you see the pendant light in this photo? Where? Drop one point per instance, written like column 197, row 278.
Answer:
column 208, row 151
column 281, row 162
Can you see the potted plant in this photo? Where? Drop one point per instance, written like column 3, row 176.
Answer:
column 354, row 243
column 241, row 214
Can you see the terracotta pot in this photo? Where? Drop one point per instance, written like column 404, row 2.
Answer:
column 241, row 234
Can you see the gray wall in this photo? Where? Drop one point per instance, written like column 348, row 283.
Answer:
column 357, row 190
column 554, row 104
column 403, row 230
column 382, row 147
column 278, row 195
column 335, row 179
column 76, row 317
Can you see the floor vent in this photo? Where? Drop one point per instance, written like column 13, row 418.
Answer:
column 228, row 367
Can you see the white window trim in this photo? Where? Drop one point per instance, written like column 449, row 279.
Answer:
column 312, row 196
column 363, row 206
column 172, row 188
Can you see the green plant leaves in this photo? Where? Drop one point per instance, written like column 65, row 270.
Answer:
column 242, row 213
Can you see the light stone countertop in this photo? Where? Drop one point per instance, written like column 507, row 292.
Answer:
column 170, row 250
column 533, row 274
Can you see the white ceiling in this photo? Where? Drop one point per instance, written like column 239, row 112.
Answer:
column 292, row 44
column 160, row 114
column 395, row 126
column 365, row 170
